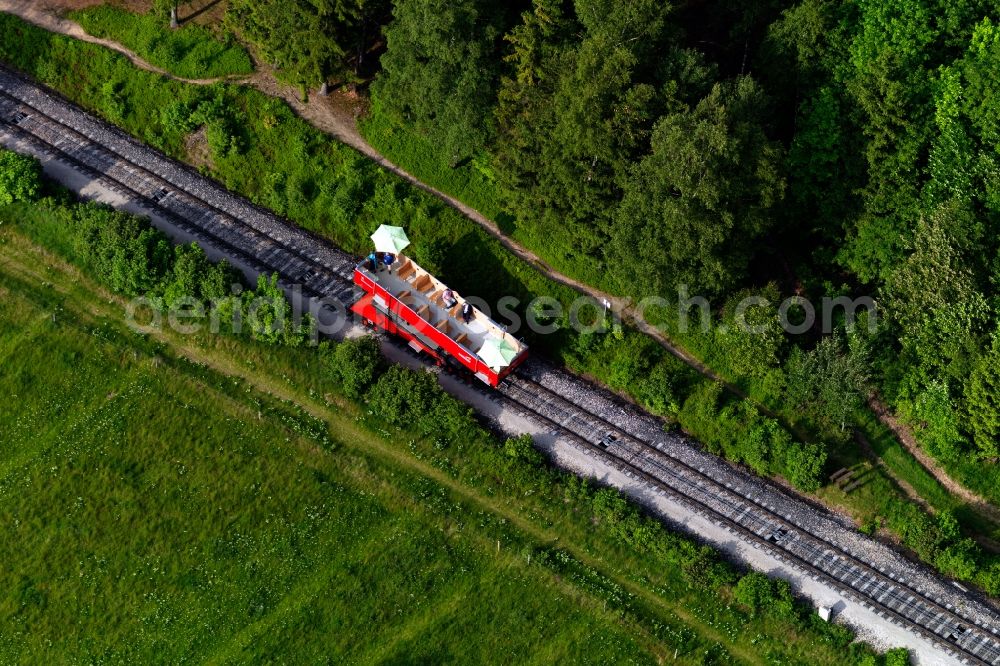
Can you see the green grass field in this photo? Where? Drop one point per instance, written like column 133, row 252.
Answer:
column 191, row 51
column 205, row 498
column 151, row 515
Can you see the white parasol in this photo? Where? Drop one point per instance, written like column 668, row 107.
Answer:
column 389, row 239
column 497, row 353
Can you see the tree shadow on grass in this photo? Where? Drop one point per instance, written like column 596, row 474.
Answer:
column 507, row 223
column 198, row 12
column 471, row 266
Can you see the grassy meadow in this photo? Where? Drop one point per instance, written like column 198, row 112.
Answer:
column 154, row 511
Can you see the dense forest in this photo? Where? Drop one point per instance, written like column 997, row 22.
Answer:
column 816, row 148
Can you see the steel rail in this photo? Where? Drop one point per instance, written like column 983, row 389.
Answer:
column 236, row 238
column 581, row 424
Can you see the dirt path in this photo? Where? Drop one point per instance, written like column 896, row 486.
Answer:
column 907, row 439
column 337, row 115
column 46, row 14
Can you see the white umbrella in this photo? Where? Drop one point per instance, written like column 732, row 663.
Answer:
column 389, row 239
column 497, row 353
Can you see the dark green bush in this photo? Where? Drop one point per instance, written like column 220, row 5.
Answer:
column 128, row 255
column 404, row 397
column 193, row 275
column 703, row 569
column 755, row 591
column 739, row 431
column 355, row 364
column 412, row 398
column 758, row 593
column 20, row 178
column 522, row 450
column 123, row 251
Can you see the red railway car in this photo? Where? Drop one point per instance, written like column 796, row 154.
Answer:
column 407, row 301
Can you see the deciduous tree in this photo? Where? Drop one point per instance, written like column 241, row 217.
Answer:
column 308, row 41
column 695, row 206
column 826, row 383
column 440, row 71
column 20, row 177
column 755, row 591
column 982, row 400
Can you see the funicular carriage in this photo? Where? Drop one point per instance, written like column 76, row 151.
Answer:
column 407, row 301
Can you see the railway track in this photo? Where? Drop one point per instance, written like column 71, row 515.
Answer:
column 258, row 240
column 756, row 522
column 264, row 243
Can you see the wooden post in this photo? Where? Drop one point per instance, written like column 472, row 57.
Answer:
column 173, row 16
